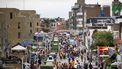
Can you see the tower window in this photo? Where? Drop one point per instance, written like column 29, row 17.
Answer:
column 18, row 25
column 37, row 29
column 37, row 24
column 11, row 15
column 19, row 35
column 30, row 24
column 31, row 31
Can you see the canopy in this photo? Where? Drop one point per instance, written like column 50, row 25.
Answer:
column 18, row 47
column 26, row 43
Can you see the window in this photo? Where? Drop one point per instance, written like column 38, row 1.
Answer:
column 37, row 24
column 19, row 35
column 18, row 25
column 30, row 24
column 11, row 15
column 30, row 31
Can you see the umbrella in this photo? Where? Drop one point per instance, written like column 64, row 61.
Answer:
column 18, row 47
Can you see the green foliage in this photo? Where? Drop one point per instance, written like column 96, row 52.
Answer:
column 46, row 67
column 103, row 38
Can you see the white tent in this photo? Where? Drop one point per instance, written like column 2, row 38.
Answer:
column 18, row 47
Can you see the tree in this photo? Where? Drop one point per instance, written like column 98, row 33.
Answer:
column 103, row 38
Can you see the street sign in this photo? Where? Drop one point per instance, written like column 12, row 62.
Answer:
column 116, row 7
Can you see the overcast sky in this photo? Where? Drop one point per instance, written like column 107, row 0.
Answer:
column 47, row 8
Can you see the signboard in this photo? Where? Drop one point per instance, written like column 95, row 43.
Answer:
column 116, row 7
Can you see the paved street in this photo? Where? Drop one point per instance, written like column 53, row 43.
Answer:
column 60, row 34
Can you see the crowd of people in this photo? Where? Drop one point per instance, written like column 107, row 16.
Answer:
column 70, row 50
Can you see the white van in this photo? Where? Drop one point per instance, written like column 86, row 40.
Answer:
column 50, row 60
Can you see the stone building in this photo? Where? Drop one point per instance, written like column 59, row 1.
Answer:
column 8, row 14
column 16, row 26
column 3, row 34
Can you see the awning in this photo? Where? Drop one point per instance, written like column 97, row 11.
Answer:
column 18, row 47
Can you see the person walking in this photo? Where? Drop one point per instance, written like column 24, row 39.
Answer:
column 90, row 66
column 85, row 65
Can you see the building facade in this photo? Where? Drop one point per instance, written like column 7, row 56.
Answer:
column 81, row 12
column 3, row 34
column 7, row 16
column 17, row 25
